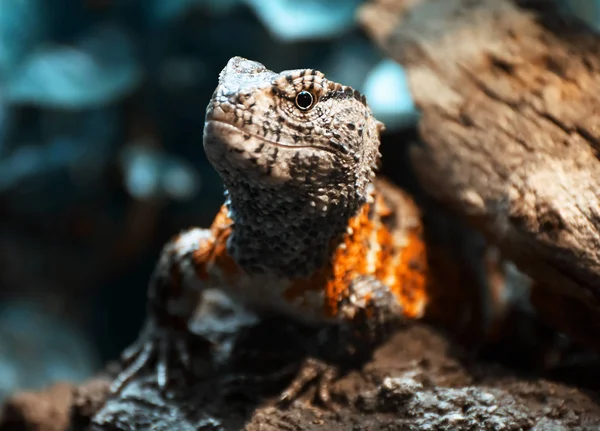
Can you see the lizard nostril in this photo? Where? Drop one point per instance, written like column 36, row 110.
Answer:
column 243, row 97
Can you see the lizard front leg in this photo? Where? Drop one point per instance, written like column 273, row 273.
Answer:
column 173, row 295
column 367, row 315
column 377, row 277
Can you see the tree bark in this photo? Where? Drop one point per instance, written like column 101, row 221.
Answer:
column 510, row 128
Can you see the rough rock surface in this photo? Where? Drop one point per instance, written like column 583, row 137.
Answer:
column 509, row 93
column 416, row 381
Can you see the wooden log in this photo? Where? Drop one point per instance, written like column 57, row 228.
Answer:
column 510, row 134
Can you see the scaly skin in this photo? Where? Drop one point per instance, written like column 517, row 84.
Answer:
column 306, row 230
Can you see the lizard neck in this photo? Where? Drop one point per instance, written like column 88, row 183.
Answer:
column 287, row 232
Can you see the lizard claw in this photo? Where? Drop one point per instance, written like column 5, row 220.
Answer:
column 166, row 348
column 312, row 369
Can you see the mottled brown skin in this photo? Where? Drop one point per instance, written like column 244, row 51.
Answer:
column 306, row 230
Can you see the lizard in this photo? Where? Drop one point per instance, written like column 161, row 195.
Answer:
column 307, row 229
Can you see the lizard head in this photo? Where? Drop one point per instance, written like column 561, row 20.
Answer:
column 296, row 153
column 290, row 129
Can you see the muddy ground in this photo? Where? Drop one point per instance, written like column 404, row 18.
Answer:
column 417, row 380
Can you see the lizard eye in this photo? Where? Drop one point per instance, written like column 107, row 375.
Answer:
column 305, row 100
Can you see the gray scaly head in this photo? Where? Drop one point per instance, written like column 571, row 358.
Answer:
column 296, row 153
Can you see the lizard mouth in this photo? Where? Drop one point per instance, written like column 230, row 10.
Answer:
column 222, row 129
column 258, row 159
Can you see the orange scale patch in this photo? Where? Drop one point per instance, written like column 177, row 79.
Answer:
column 215, row 252
column 228, row 267
column 201, row 258
column 385, row 240
column 412, row 279
column 222, row 222
column 403, row 266
column 349, row 260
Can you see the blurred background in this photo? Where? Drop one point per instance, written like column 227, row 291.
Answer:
column 101, row 161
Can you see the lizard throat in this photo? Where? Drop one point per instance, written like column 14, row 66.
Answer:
column 276, row 232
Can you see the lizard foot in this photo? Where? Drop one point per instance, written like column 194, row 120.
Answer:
column 369, row 313
column 166, row 348
column 312, row 369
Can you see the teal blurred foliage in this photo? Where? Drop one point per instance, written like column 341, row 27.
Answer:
column 101, row 115
column 65, row 351
column 586, row 11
